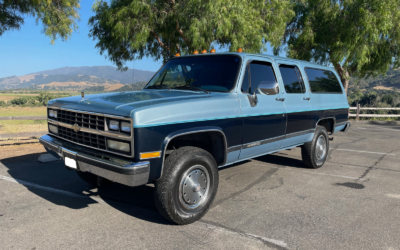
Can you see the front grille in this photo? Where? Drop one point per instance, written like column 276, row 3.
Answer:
column 83, row 120
column 92, row 140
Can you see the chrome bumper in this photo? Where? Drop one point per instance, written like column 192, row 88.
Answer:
column 348, row 125
column 101, row 164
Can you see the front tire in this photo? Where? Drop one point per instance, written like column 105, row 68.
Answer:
column 315, row 152
column 188, row 185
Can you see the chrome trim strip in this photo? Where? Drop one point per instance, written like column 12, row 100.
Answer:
column 150, row 157
column 90, row 113
column 234, row 148
column 108, row 151
column 279, row 138
column 193, row 132
column 89, row 130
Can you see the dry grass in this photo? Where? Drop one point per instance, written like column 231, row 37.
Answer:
column 23, row 111
column 20, row 152
column 11, row 127
column 9, row 97
column 7, row 127
column 384, row 88
column 111, row 87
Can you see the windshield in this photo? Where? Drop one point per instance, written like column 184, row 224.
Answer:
column 210, row 73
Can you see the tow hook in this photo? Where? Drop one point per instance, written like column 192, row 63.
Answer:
column 331, row 138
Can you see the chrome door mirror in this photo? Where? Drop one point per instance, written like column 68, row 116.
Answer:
column 268, row 87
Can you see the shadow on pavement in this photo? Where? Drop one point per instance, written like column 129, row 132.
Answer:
column 134, row 201
column 281, row 160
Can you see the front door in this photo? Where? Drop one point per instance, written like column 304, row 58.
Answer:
column 264, row 120
column 297, row 103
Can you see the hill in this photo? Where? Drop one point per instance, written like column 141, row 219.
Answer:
column 391, row 81
column 106, row 78
column 106, row 72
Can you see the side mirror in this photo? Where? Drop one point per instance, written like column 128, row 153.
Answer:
column 269, row 87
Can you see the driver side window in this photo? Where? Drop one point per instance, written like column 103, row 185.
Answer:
column 257, row 72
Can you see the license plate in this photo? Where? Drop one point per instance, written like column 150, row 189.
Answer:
column 70, row 163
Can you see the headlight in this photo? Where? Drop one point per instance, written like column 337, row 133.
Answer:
column 117, row 145
column 114, row 125
column 126, row 126
column 53, row 113
column 53, row 129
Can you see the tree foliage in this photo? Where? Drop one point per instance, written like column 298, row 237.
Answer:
column 131, row 29
column 358, row 37
column 57, row 16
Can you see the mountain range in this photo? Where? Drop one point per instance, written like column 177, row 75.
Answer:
column 76, row 78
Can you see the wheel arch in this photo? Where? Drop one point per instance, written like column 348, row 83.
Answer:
column 328, row 123
column 193, row 131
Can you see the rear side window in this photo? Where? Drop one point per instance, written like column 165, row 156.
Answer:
column 255, row 73
column 292, row 79
column 323, row 81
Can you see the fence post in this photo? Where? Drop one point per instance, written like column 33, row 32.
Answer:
column 358, row 112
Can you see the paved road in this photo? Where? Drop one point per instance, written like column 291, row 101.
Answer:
column 272, row 202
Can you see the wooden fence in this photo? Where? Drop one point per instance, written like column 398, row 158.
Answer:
column 22, row 134
column 358, row 115
column 6, row 118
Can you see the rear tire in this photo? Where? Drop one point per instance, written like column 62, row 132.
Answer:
column 188, row 185
column 315, row 152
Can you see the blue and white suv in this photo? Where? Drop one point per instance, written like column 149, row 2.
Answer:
column 197, row 114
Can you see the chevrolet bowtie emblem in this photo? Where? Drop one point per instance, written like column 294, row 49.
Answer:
column 76, row 128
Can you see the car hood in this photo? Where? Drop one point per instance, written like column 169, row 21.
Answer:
column 124, row 103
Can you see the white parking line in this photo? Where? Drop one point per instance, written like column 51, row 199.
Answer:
column 196, row 224
column 342, row 149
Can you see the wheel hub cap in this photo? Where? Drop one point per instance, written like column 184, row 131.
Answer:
column 320, row 148
column 194, row 187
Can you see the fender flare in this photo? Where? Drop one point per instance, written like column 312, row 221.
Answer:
column 192, row 131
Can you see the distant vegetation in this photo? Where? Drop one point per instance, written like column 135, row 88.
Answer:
column 32, row 101
column 132, row 87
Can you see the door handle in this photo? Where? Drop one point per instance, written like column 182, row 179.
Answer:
column 280, row 99
column 306, row 98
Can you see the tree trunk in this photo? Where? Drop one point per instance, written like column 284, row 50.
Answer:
column 344, row 76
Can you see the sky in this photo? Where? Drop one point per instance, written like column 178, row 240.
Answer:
column 28, row 50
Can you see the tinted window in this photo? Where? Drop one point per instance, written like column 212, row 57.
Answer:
column 323, row 81
column 213, row 73
column 259, row 71
column 291, row 79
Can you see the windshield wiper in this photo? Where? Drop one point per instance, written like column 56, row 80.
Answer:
column 158, row 87
column 192, row 88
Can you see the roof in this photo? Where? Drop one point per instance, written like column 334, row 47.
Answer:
column 243, row 55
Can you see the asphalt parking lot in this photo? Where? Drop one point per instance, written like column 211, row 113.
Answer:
column 271, row 202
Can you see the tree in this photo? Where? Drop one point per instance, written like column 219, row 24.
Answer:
column 358, row 37
column 57, row 16
column 131, row 29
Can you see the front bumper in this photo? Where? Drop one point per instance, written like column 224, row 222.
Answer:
column 105, row 165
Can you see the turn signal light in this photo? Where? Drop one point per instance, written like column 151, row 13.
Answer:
column 195, row 52
column 204, row 52
column 240, row 50
column 177, row 54
column 150, row 155
column 213, row 51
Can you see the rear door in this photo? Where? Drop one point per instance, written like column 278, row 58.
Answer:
column 297, row 102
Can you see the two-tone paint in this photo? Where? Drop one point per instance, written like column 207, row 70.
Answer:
column 159, row 116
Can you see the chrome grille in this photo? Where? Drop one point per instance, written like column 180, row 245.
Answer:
column 83, row 120
column 92, row 140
